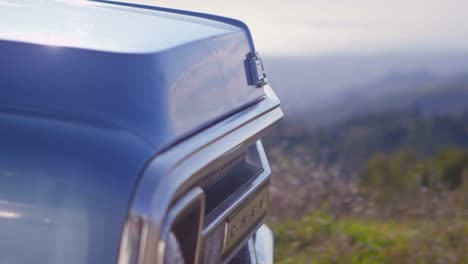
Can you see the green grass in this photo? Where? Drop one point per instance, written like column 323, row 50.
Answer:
column 320, row 238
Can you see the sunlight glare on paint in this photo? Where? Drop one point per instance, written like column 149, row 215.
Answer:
column 9, row 215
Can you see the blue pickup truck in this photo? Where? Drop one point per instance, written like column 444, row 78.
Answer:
column 131, row 134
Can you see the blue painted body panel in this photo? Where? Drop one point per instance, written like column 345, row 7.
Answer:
column 90, row 92
column 100, row 26
column 64, row 188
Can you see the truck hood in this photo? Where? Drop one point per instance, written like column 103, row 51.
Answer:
column 100, row 26
column 158, row 74
column 90, row 93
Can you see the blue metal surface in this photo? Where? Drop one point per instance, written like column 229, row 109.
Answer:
column 156, row 93
column 211, row 17
column 64, row 188
column 99, row 26
column 90, row 92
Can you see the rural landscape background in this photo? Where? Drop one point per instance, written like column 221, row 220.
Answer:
column 370, row 163
column 373, row 169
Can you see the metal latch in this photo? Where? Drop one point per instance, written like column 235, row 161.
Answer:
column 257, row 72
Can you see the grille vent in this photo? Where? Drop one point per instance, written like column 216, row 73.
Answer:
column 227, row 177
column 216, row 175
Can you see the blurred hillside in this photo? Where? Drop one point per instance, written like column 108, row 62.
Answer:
column 311, row 165
column 379, row 174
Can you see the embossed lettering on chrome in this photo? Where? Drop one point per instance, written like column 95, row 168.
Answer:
column 245, row 219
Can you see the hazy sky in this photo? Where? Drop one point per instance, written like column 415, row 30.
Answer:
column 300, row 27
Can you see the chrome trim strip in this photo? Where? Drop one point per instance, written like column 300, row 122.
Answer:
column 173, row 173
column 209, row 124
column 264, row 245
column 252, row 252
column 194, row 197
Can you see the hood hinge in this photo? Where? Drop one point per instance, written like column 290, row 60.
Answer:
column 257, row 71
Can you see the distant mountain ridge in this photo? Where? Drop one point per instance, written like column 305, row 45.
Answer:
column 426, row 93
column 324, row 90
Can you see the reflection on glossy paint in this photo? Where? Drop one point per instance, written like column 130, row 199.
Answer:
column 9, row 214
column 51, row 40
column 12, row 211
column 212, row 82
column 62, row 232
column 10, row 4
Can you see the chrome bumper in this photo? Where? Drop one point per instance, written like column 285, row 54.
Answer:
column 259, row 249
column 262, row 242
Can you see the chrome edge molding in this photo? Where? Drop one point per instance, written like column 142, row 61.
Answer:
column 173, row 173
column 194, row 197
column 264, row 243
